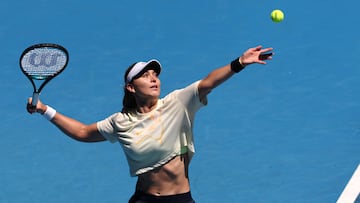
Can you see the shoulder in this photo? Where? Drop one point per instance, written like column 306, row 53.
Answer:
column 191, row 89
column 117, row 118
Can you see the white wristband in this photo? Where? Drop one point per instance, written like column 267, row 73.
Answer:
column 49, row 113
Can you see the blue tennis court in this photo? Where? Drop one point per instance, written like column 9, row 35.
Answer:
column 285, row 132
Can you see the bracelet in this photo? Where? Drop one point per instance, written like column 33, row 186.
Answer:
column 49, row 113
column 236, row 66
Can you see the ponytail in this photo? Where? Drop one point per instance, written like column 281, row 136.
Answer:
column 129, row 102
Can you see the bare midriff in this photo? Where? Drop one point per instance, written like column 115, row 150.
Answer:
column 169, row 179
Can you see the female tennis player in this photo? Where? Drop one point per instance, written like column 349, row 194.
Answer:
column 155, row 133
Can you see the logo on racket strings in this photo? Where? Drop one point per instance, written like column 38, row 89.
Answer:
column 44, row 59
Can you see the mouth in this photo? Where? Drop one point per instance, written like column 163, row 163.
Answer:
column 154, row 87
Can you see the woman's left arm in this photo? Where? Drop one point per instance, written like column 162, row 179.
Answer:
column 220, row 75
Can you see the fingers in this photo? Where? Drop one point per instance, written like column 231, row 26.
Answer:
column 265, row 54
column 261, row 62
column 257, row 48
column 30, row 108
column 266, row 50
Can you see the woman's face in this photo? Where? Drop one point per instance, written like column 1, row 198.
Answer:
column 147, row 86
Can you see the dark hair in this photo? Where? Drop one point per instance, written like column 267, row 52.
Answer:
column 129, row 102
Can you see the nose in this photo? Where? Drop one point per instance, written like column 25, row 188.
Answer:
column 153, row 77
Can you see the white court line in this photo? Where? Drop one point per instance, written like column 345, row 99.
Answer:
column 351, row 193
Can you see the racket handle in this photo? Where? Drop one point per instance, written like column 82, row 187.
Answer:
column 35, row 98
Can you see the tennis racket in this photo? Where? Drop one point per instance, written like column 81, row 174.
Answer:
column 41, row 63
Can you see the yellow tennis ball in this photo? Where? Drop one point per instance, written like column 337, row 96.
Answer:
column 277, row 16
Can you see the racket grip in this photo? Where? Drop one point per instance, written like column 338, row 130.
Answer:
column 35, row 98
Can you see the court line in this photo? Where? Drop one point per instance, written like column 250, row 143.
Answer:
column 351, row 193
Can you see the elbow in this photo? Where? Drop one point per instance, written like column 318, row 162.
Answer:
column 87, row 135
column 82, row 136
column 85, row 139
column 80, row 139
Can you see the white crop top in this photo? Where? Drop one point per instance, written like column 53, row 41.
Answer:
column 149, row 140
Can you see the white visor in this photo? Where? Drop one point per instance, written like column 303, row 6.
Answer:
column 140, row 66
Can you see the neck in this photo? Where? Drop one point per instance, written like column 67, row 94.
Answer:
column 147, row 106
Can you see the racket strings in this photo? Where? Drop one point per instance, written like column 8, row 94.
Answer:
column 42, row 63
column 43, row 70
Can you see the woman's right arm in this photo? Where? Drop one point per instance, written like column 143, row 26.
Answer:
column 69, row 126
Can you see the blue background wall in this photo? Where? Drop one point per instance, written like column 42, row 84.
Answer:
column 285, row 132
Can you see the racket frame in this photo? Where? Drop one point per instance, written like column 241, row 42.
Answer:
column 36, row 93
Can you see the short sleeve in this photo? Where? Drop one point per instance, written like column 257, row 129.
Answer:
column 189, row 97
column 106, row 128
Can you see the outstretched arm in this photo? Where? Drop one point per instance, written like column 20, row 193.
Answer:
column 71, row 127
column 220, row 75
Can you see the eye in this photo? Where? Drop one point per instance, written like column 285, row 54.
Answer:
column 145, row 75
column 149, row 74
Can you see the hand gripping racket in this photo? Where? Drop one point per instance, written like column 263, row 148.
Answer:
column 41, row 63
